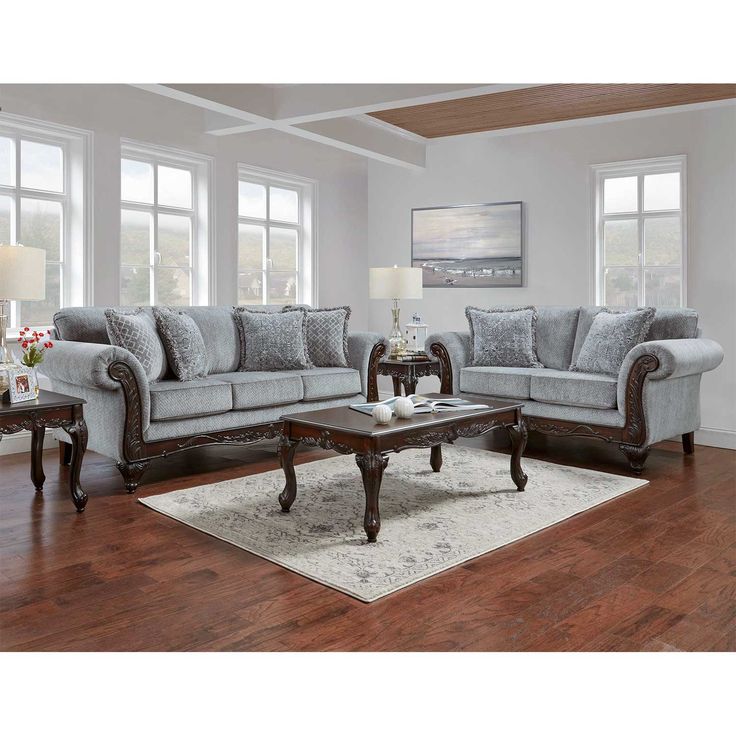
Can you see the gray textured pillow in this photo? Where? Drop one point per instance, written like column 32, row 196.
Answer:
column 610, row 338
column 327, row 336
column 137, row 333
column 183, row 343
column 275, row 341
column 503, row 337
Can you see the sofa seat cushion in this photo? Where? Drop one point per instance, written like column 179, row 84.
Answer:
column 200, row 398
column 506, row 383
column 329, row 383
column 592, row 390
column 255, row 389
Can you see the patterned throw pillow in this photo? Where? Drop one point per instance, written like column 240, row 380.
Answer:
column 183, row 343
column 273, row 341
column 137, row 333
column 610, row 338
column 504, row 337
column 327, row 336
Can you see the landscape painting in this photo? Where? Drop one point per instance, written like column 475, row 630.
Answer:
column 468, row 245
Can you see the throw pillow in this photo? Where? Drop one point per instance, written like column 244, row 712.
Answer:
column 273, row 341
column 610, row 338
column 327, row 336
column 137, row 333
column 503, row 337
column 185, row 349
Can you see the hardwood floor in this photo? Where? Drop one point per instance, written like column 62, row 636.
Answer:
column 654, row 570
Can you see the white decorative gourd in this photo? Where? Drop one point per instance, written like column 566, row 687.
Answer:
column 404, row 408
column 382, row 414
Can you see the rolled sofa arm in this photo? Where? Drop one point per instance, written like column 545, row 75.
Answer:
column 365, row 349
column 453, row 351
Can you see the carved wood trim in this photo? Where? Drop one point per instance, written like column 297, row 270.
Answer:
column 440, row 352
column 562, row 428
column 378, row 351
column 133, row 442
column 635, row 430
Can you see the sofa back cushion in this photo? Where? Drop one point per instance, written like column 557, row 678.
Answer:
column 556, row 330
column 83, row 324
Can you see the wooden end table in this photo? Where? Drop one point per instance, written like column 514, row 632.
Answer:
column 50, row 411
column 407, row 374
column 351, row 432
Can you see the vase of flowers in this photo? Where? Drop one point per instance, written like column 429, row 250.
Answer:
column 34, row 344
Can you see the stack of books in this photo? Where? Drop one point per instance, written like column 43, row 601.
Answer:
column 413, row 356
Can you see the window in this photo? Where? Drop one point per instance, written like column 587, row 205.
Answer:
column 640, row 233
column 42, row 205
column 275, row 238
column 164, row 239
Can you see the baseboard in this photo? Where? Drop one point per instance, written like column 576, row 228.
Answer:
column 10, row 444
column 725, row 438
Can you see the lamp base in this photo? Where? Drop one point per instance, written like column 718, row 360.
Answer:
column 396, row 342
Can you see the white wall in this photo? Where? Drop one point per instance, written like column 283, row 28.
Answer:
column 549, row 171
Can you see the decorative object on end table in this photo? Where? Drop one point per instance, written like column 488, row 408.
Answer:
column 23, row 384
column 33, row 349
column 22, row 278
column 416, row 335
column 468, row 245
column 395, row 283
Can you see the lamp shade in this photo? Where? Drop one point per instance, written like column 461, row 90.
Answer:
column 22, row 273
column 395, row 283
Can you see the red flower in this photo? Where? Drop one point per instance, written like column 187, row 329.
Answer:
column 51, row 344
column 25, row 329
column 24, row 345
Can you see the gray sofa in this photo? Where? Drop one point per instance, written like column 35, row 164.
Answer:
column 133, row 421
column 656, row 395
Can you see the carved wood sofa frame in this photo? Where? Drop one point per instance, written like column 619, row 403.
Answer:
column 138, row 453
column 631, row 438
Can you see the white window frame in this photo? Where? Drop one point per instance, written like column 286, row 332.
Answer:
column 638, row 168
column 306, row 229
column 75, row 200
column 202, row 285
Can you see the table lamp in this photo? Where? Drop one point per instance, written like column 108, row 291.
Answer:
column 395, row 283
column 22, row 277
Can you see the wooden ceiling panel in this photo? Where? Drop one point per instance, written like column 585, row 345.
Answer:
column 546, row 104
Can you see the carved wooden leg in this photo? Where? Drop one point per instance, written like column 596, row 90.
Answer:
column 132, row 473
column 636, row 456
column 435, row 458
column 65, row 453
column 287, row 448
column 78, row 433
column 410, row 385
column 397, row 385
column 518, row 434
column 37, row 476
column 371, row 467
column 688, row 443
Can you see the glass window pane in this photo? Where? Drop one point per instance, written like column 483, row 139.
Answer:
column 6, row 213
column 621, row 287
column 174, row 240
column 40, row 226
column 173, row 287
column 621, row 243
column 7, row 161
column 135, row 238
column 41, row 166
column 251, row 247
column 620, row 195
column 284, row 205
column 662, row 191
column 283, row 249
column 662, row 287
column 251, row 200
column 281, row 288
column 662, row 241
column 136, row 181
column 250, row 288
column 40, row 314
column 174, row 187
column 135, row 286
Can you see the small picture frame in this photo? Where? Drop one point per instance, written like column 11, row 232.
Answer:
column 22, row 385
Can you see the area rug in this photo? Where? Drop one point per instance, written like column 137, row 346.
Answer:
column 429, row 521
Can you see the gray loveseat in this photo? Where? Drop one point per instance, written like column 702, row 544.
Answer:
column 133, row 421
column 656, row 395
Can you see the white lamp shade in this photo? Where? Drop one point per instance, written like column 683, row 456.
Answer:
column 395, row 283
column 22, row 273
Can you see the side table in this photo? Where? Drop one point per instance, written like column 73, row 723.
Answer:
column 50, row 410
column 407, row 374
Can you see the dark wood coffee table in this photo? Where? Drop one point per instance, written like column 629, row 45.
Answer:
column 348, row 431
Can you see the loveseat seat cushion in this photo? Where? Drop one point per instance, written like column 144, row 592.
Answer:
column 506, row 383
column 199, row 398
column 593, row 390
column 255, row 389
column 329, row 383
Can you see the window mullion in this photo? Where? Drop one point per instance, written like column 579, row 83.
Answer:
column 153, row 290
column 640, row 204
